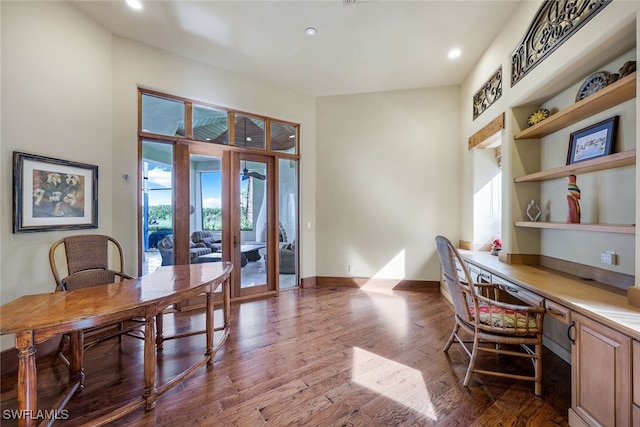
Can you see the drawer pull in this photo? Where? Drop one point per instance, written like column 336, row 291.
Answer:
column 569, row 335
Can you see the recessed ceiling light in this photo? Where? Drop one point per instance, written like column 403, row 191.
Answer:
column 454, row 53
column 134, row 4
column 310, row 31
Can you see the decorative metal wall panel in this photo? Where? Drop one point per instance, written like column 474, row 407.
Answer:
column 554, row 23
column 490, row 92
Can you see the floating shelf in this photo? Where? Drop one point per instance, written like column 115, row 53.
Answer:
column 605, row 228
column 612, row 95
column 612, row 161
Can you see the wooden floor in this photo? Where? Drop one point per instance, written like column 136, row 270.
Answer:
column 314, row 357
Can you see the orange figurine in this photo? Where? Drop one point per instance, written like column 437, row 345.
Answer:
column 573, row 199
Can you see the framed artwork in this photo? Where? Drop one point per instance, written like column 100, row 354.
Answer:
column 52, row 194
column 595, row 141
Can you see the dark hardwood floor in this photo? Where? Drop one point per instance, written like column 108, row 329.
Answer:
column 316, row 357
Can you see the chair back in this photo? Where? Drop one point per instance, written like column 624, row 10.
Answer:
column 87, row 261
column 457, row 277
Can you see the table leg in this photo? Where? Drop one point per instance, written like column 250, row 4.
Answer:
column 226, row 301
column 76, row 369
column 209, row 328
column 27, row 379
column 150, row 391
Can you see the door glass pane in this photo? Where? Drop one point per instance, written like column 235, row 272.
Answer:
column 253, row 223
column 249, row 132
column 162, row 116
column 283, row 137
column 157, row 205
column 288, row 222
column 206, row 208
column 210, row 125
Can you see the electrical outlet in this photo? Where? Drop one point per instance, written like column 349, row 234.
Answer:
column 350, row 269
column 608, row 258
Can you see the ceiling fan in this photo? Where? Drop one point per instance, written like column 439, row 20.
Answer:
column 246, row 174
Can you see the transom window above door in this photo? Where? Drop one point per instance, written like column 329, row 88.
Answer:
column 178, row 118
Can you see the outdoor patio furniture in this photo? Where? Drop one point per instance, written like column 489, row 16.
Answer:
column 166, row 250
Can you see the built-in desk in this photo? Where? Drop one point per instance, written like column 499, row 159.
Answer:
column 604, row 331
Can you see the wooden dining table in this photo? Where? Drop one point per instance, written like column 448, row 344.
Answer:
column 36, row 318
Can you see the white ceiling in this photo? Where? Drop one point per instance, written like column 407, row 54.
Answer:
column 366, row 46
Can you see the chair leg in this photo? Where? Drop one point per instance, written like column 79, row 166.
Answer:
column 59, row 353
column 456, row 327
column 538, row 370
column 159, row 333
column 472, row 362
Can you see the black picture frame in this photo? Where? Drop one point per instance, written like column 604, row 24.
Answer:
column 594, row 141
column 52, row 194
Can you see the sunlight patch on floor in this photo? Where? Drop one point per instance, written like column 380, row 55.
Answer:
column 391, row 309
column 392, row 380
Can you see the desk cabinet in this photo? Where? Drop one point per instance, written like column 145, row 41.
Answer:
column 636, row 384
column 600, row 375
column 605, row 353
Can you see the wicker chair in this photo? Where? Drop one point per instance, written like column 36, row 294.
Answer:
column 86, row 261
column 497, row 327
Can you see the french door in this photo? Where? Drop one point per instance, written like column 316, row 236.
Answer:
column 218, row 185
column 230, row 204
column 223, row 208
column 254, row 247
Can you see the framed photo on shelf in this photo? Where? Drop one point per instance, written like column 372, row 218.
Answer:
column 52, row 194
column 592, row 142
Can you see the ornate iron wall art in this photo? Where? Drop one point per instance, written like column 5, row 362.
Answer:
column 554, row 23
column 490, row 92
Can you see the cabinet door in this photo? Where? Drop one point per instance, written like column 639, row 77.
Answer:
column 600, row 375
column 636, row 384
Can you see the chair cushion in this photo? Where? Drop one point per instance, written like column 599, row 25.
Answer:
column 502, row 318
column 196, row 252
column 166, row 242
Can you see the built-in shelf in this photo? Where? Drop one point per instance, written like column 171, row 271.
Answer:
column 610, row 96
column 605, row 228
column 612, row 161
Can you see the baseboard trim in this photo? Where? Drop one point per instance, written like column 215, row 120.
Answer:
column 390, row 284
column 308, row 282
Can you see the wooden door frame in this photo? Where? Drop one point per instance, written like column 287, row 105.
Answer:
column 272, row 236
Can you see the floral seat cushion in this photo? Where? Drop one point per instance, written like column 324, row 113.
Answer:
column 503, row 318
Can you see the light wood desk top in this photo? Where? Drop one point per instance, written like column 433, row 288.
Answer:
column 586, row 297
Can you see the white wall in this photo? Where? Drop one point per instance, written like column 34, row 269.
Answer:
column 56, row 91
column 136, row 65
column 388, row 182
column 596, row 46
column 69, row 90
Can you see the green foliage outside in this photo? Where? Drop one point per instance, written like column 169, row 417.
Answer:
column 160, row 212
column 212, row 219
column 161, row 218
